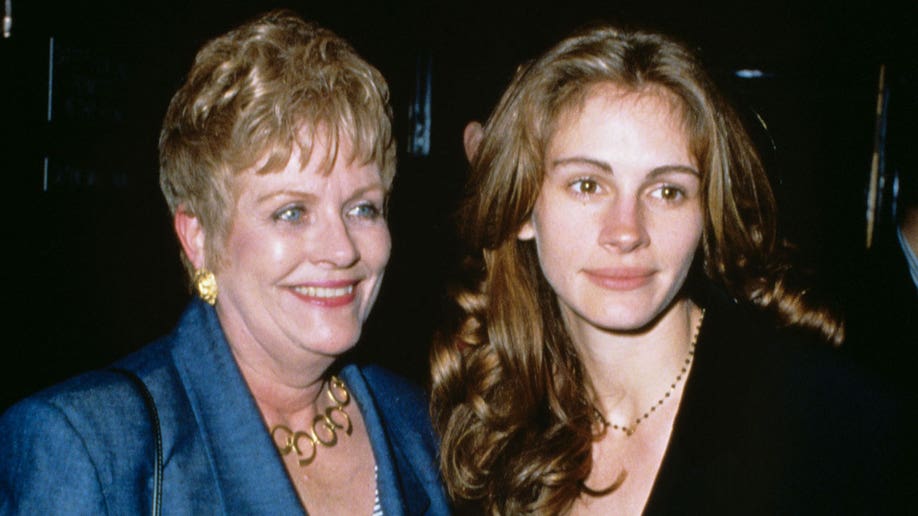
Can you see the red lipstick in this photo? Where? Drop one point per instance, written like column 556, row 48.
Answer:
column 328, row 294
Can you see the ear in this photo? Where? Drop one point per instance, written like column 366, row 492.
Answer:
column 191, row 235
column 471, row 139
column 526, row 232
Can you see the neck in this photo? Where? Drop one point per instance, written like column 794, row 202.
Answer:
column 632, row 371
column 284, row 401
column 285, row 382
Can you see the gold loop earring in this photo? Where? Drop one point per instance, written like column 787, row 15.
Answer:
column 205, row 283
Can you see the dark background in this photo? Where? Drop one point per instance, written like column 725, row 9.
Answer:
column 92, row 268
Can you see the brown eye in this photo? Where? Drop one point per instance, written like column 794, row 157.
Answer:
column 585, row 186
column 669, row 193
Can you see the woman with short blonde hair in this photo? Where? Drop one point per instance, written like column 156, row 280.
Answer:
column 276, row 159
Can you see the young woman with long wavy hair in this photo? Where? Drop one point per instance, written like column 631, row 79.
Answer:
column 626, row 336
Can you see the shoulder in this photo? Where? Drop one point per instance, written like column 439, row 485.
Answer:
column 83, row 440
column 57, row 446
column 80, row 400
column 824, row 423
column 844, row 428
column 37, row 437
column 792, row 366
column 103, row 401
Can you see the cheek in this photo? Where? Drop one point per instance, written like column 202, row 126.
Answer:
column 549, row 253
column 562, row 234
column 259, row 249
column 684, row 240
column 555, row 247
column 375, row 248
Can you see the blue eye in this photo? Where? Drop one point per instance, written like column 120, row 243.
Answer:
column 365, row 210
column 289, row 214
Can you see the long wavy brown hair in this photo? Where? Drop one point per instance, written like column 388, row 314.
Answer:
column 510, row 398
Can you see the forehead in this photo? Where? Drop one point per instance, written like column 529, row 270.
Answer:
column 609, row 96
column 317, row 169
column 609, row 119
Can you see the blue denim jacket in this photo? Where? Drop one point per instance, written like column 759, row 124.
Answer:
column 85, row 446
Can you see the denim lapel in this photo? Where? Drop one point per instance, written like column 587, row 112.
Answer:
column 250, row 476
column 400, row 490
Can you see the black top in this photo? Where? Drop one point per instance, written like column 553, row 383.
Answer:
column 882, row 314
column 772, row 423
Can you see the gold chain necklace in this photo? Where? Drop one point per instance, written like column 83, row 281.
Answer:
column 629, row 430
column 323, row 429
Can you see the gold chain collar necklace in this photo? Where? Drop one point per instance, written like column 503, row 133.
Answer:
column 629, row 430
column 324, row 426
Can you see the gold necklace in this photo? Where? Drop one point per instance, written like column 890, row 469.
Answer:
column 324, row 426
column 629, row 430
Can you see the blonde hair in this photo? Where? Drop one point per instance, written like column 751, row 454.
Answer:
column 251, row 95
column 509, row 392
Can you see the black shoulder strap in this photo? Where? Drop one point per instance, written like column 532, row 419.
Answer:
column 157, row 436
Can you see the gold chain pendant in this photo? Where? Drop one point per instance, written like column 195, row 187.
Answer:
column 324, row 426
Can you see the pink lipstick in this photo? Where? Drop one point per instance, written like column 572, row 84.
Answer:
column 620, row 278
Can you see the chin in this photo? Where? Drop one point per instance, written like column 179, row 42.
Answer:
column 330, row 340
column 628, row 324
column 629, row 319
column 333, row 349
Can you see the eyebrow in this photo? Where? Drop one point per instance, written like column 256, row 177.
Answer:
column 370, row 188
column 605, row 167
column 579, row 160
column 311, row 197
column 286, row 193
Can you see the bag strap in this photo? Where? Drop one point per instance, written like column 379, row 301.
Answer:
column 157, row 436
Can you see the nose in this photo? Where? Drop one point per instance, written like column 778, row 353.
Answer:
column 622, row 225
column 333, row 244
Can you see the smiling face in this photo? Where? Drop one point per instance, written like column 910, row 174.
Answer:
column 304, row 256
column 618, row 217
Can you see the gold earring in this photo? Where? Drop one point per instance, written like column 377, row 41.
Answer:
column 206, row 284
